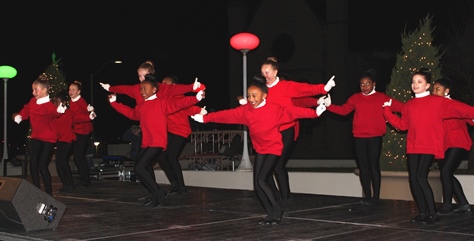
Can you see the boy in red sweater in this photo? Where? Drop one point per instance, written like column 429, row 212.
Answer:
column 41, row 112
column 457, row 142
column 423, row 117
column 263, row 120
column 154, row 137
column 368, row 128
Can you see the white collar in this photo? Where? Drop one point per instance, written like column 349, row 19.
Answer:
column 371, row 92
column 426, row 93
column 76, row 99
column 274, row 83
column 262, row 104
column 151, row 97
column 447, row 96
column 42, row 100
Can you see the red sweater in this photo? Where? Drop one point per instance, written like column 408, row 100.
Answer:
column 263, row 123
column 423, row 118
column 178, row 122
column 152, row 115
column 368, row 113
column 41, row 120
column 456, row 133
column 64, row 126
column 79, row 111
column 285, row 90
column 164, row 90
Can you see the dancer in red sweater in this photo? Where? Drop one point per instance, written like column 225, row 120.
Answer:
column 281, row 92
column 368, row 127
column 81, row 111
column 263, row 120
column 423, row 117
column 178, row 132
column 64, row 126
column 457, row 143
column 154, row 137
column 41, row 112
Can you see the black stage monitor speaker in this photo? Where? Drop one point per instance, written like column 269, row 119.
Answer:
column 25, row 207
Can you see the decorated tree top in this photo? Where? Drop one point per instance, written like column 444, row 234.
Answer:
column 56, row 77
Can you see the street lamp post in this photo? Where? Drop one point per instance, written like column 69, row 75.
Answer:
column 244, row 42
column 6, row 72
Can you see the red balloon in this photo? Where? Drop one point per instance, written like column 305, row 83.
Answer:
column 244, row 41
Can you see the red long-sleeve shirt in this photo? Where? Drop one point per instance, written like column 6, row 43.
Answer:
column 263, row 123
column 456, row 133
column 164, row 90
column 423, row 118
column 152, row 115
column 79, row 111
column 64, row 126
column 178, row 122
column 284, row 91
column 41, row 120
column 368, row 118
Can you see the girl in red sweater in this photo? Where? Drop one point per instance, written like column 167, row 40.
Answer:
column 263, row 120
column 64, row 126
column 423, row 117
column 368, row 127
column 41, row 112
column 281, row 92
column 81, row 111
column 457, row 143
column 178, row 131
column 154, row 137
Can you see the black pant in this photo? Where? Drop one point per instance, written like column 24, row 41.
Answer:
column 451, row 185
column 263, row 166
column 79, row 157
column 418, row 169
column 40, row 156
column 169, row 160
column 280, row 171
column 142, row 169
column 367, row 153
column 62, row 163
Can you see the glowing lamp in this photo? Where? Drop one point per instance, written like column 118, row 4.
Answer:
column 244, row 41
column 7, row 72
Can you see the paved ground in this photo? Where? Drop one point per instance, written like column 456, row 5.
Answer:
column 109, row 210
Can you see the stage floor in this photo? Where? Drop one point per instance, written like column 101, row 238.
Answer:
column 109, row 210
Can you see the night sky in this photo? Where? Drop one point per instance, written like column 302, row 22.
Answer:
column 186, row 38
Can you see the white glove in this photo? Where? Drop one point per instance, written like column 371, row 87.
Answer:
column 203, row 111
column 243, row 101
column 90, row 108
column 196, row 84
column 320, row 109
column 198, row 117
column 200, row 95
column 92, row 115
column 61, row 109
column 321, row 100
column 112, row 98
column 388, row 103
column 105, row 86
column 331, row 83
column 327, row 101
column 18, row 119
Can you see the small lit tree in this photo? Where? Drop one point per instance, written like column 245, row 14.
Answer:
column 417, row 52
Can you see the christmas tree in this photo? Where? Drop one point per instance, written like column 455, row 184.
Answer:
column 417, row 52
column 55, row 77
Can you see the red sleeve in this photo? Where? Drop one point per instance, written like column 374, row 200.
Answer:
column 231, row 116
column 129, row 90
column 296, row 89
column 25, row 112
column 305, row 102
column 125, row 110
column 291, row 113
column 396, row 106
column 173, row 90
column 192, row 110
column 456, row 109
column 344, row 109
column 53, row 111
column 176, row 105
column 394, row 120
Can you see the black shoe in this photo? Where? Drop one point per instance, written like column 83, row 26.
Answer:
column 418, row 218
column 367, row 201
column 152, row 203
column 466, row 208
column 269, row 222
column 182, row 191
column 446, row 209
column 430, row 219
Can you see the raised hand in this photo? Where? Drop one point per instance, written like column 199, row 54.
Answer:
column 388, row 103
column 112, row 98
column 198, row 117
column 61, row 109
column 200, row 95
column 105, row 86
column 90, row 108
column 331, row 83
column 197, row 86
column 203, row 111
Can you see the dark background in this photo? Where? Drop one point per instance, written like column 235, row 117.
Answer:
column 185, row 38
